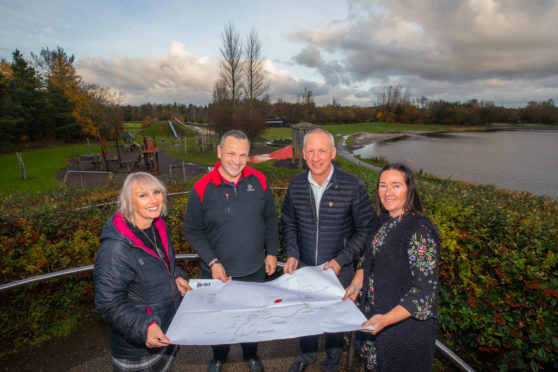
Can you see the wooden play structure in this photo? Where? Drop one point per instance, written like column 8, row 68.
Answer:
column 150, row 153
column 299, row 131
column 124, row 157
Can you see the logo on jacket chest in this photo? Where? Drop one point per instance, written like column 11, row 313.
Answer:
column 250, row 188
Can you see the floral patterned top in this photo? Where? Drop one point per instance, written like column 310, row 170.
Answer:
column 422, row 254
column 403, row 270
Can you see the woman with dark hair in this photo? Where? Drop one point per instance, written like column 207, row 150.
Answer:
column 397, row 278
column 137, row 287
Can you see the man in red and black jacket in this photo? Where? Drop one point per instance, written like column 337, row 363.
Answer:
column 231, row 224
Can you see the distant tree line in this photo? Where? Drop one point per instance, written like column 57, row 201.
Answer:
column 156, row 111
column 395, row 105
column 45, row 101
column 394, row 109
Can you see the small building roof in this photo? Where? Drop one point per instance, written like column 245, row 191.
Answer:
column 304, row 125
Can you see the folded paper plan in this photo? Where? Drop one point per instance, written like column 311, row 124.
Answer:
column 305, row 303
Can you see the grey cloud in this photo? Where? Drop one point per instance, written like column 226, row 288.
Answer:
column 176, row 77
column 332, row 71
column 511, row 93
column 309, row 57
column 290, row 89
column 179, row 76
column 451, row 44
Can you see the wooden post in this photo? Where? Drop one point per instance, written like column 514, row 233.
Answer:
column 185, row 146
column 88, row 146
column 184, row 171
column 155, row 170
column 295, row 146
column 104, row 162
column 117, row 150
column 21, row 166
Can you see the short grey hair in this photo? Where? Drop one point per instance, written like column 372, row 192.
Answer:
column 235, row 133
column 319, row 130
column 149, row 181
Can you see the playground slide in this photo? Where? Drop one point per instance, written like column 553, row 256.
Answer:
column 197, row 128
column 173, row 130
column 175, row 118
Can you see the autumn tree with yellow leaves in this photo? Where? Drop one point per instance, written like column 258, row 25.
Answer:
column 46, row 100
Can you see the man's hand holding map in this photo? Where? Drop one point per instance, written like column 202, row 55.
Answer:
column 308, row 302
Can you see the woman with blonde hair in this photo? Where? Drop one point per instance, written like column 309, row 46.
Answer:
column 137, row 286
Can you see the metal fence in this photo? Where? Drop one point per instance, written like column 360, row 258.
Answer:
column 443, row 349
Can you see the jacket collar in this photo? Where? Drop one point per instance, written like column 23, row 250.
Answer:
column 121, row 226
column 332, row 181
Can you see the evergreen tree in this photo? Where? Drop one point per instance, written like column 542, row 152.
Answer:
column 19, row 102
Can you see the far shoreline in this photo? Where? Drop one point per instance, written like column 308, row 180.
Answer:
column 362, row 139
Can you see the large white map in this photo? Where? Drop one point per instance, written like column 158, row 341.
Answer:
column 305, row 303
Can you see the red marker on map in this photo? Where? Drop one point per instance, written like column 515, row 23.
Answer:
column 278, row 300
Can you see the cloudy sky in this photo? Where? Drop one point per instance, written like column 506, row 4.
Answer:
column 505, row 51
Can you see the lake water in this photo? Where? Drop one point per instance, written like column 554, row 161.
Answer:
column 513, row 160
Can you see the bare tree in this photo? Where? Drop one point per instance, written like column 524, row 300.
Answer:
column 307, row 103
column 422, row 102
column 231, row 66
column 391, row 96
column 255, row 80
column 220, row 92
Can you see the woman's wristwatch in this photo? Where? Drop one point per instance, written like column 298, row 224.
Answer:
column 215, row 261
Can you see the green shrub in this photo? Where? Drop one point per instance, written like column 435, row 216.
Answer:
column 498, row 274
column 498, row 265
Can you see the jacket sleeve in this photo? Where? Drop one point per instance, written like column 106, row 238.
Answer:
column 271, row 225
column 363, row 217
column 178, row 271
column 424, row 255
column 290, row 227
column 194, row 229
column 113, row 273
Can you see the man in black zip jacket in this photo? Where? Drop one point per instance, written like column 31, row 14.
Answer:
column 327, row 218
column 231, row 223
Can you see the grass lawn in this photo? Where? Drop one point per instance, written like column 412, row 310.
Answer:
column 342, row 129
column 175, row 147
column 208, row 158
column 133, row 126
column 162, row 129
column 273, row 133
column 41, row 166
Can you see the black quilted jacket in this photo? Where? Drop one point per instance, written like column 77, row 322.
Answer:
column 133, row 286
column 344, row 225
